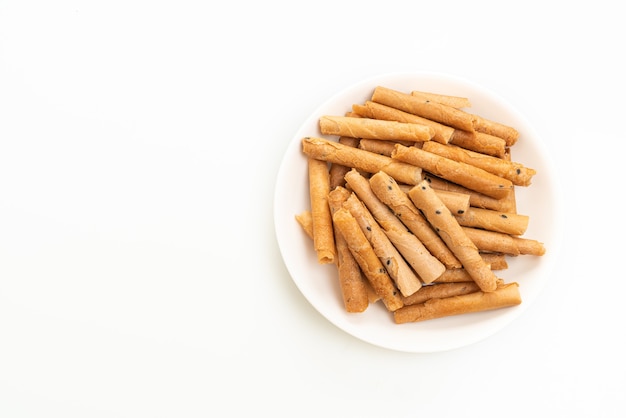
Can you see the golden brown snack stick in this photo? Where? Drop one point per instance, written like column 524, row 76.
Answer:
column 511, row 200
column 384, row 147
column 504, row 243
column 455, row 201
column 403, row 276
column 458, row 203
column 439, row 216
column 373, row 110
column 452, row 101
column 468, row 176
column 378, row 146
column 369, row 262
column 369, row 162
column 337, row 171
column 497, row 261
column 477, row 200
column 352, row 282
column 427, row 266
column 440, row 290
column 479, row 142
column 374, row 128
column 508, row 133
column 438, row 112
column 455, row 275
column 504, row 296
column 305, row 219
column 491, row 220
column 517, row 173
column 323, row 234
column 388, row 192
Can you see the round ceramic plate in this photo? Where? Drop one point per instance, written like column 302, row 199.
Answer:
column 319, row 283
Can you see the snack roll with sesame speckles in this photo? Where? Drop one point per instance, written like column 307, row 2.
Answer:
column 504, row 243
column 427, row 266
column 389, row 192
column 367, row 259
column 404, row 277
column 448, row 228
column 517, row 173
column 466, row 175
column 476, row 199
column 490, row 220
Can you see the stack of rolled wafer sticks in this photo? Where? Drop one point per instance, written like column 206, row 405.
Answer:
column 414, row 202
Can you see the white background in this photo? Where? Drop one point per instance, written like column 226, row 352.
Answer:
column 139, row 146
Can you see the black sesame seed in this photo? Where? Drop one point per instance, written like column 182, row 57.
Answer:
column 388, row 262
column 460, row 211
column 438, row 212
column 389, row 188
column 369, row 228
column 519, row 171
column 504, row 216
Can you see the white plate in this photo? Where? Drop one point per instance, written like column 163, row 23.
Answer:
column 319, row 283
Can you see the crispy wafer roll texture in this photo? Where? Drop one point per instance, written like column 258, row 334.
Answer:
column 369, row 162
column 479, row 142
column 491, row 220
column 455, row 275
column 458, row 203
column 504, row 296
column 438, row 215
column 441, row 290
column 497, row 261
column 337, row 171
column 479, row 200
column 510, row 202
column 406, row 280
column 369, row 262
column 471, row 177
column 442, row 133
column 455, row 201
column 438, row 112
column 378, row 146
column 388, row 192
column 323, row 234
column 374, row 128
column 352, row 282
column 504, row 243
column 517, row 173
column 427, row 266
column 508, row 133
column 452, row 101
